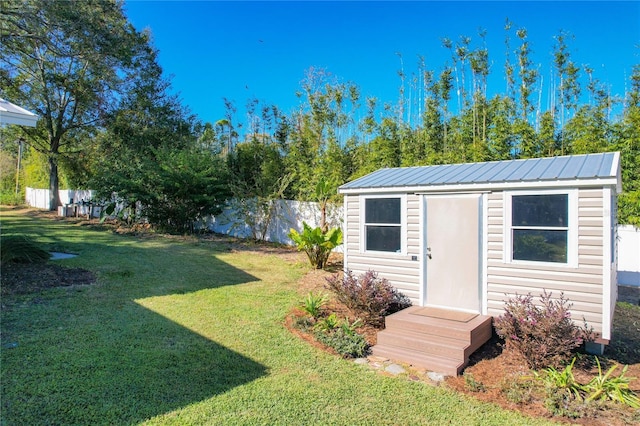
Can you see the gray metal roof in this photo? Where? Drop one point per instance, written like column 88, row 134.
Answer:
column 538, row 170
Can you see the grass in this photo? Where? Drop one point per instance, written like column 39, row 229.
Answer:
column 187, row 332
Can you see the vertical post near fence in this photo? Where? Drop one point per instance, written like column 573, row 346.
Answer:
column 20, row 141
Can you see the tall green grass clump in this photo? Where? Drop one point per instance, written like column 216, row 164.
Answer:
column 21, row 249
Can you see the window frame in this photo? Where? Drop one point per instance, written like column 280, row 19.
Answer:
column 571, row 228
column 402, row 225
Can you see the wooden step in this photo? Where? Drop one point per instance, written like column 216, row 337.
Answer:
column 434, row 363
column 428, row 344
column 437, row 344
column 406, row 320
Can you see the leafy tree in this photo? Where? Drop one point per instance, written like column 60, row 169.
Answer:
column 628, row 143
column 65, row 61
column 568, row 86
column 257, row 181
column 156, row 158
column 320, row 132
column 187, row 186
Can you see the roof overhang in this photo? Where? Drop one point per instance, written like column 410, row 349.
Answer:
column 13, row 114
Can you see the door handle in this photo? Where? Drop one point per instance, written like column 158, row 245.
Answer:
column 429, row 252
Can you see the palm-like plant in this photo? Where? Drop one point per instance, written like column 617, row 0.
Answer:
column 316, row 244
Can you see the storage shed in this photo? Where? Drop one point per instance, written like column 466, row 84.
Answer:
column 467, row 237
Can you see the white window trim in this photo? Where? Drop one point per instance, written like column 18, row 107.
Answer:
column 403, row 225
column 572, row 228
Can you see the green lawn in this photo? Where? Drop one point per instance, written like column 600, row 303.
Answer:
column 179, row 332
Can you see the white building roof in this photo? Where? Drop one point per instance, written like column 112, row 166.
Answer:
column 13, row 114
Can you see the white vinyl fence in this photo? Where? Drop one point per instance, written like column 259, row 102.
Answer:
column 290, row 214
column 287, row 214
column 76, row 201
column 628, row 255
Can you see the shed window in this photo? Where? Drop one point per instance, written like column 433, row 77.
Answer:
column 540, row 227
column 383, row 224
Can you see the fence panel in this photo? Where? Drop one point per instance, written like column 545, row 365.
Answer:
column 628, row 255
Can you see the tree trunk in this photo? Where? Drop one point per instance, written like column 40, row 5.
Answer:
column 54, row 198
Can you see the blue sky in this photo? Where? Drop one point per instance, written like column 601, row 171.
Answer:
column 242, row 50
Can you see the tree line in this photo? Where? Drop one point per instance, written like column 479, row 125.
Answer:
column 109, row 123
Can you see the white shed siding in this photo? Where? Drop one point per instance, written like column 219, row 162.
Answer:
column 582, row 285
column 401, row 271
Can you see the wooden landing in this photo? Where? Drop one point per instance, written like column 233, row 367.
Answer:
column 437, row 344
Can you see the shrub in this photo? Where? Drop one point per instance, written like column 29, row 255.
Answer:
column 316, row 243
column 368, row 296
column 347, row 344
column 545, row 335
column 20, row 249
column 10, row 198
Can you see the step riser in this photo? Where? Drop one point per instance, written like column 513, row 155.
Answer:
column 431, row 347
column 403, row 323
column 436, row 364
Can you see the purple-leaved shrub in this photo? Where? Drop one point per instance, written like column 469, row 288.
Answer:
column 543, row 334
column 368, row 296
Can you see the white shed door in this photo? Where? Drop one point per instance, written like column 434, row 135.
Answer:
column 453, row 251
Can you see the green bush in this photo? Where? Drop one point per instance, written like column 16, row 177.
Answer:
column 20, row 249
column 316, row 243
column 544, row 335
column 10, row 198
column 370, row 297
column 347, row 344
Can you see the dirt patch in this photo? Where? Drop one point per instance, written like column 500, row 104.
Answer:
column 28, row 278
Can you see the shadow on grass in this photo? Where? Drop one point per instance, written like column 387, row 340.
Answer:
column 98, row 357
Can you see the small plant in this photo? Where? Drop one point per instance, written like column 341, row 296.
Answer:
column 303, row 323
column 519, row 389
column 350, row 328
column 313, row 304
column 562, row 381
column 564, row 405
column 472, row 384
column 368, row 296
column 351, row 345
column 328, row 323
column 543, row 335
column 608, row 388
column 21, row 249
column 316, row 243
